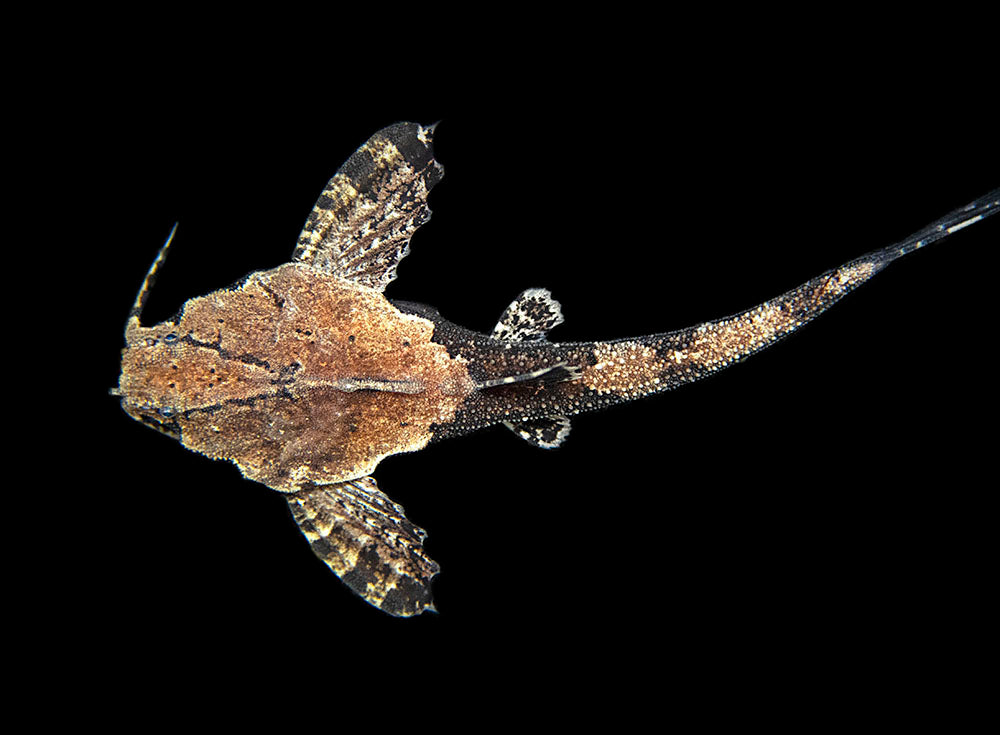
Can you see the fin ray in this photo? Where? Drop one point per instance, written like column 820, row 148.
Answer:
column 361, row 225
column 561, row 372
column 529, row 317
column 366, row 539
column 546, row 433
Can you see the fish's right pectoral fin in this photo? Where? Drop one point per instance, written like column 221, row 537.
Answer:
column 367, row 541
column 362, row 223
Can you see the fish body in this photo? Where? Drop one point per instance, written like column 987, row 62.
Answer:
column 305, row 376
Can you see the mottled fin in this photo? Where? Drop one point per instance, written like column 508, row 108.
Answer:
column 529, row 317
column 362, row 223
column 367, row 541
column 547, row 433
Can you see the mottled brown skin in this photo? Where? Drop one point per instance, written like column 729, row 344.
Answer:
column 295, row 376
column 306, row 377
column 627, row 369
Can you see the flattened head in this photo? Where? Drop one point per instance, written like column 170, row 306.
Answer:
column 152, row 383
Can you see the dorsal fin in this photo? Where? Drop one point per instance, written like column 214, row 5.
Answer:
column 529, row 317
column 558, row 373
column 547, row 433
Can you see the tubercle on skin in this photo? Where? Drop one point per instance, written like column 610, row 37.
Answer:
column 375, row 345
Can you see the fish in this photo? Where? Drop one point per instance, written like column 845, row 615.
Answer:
column 306, row 376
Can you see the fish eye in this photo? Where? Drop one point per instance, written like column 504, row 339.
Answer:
column 170, row 338
column 167, row 412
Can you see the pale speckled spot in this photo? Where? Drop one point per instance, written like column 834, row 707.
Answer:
column 625, row 368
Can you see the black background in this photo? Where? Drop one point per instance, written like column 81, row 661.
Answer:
column 822, row 504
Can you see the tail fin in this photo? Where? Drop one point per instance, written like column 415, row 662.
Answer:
column 947, row 225
column 578, row 377
column 659, row 362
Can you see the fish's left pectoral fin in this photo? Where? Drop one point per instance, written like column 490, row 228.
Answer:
column 529, row 317
column 366, row 539
column 547, row 433
column 362, row 223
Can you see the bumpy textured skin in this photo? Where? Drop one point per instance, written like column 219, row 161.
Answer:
column 305, row 381
column 296, row 376
column 614, row 372
column 305, row 376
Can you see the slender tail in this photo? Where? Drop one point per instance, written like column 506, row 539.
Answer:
column 632, row 368
column 947, row 225
column 539, row 384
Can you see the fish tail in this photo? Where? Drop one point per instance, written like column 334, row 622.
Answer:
column 632, row 368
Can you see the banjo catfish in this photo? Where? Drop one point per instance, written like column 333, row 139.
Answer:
column 305, row 376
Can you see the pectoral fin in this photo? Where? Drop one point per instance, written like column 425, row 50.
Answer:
column 368, row 542
column 361, row 225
